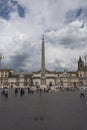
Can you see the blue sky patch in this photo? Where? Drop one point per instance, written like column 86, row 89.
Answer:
column 21, row 10
column 6, row 9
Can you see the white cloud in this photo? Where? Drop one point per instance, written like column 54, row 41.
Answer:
column 21, row 37
column 69, row 42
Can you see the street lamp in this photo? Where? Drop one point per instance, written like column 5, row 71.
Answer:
column 1, row 57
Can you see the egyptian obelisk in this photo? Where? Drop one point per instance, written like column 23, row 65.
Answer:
column 43, row 78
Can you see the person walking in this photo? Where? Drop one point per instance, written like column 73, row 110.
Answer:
column 40, row 91
column 6, row 92
column 16, row 91
column 82, row 94
column 29, row 90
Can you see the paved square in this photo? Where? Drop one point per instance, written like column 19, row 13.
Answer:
column 51, row 111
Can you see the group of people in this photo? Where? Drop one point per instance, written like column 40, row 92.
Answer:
column 22, row 92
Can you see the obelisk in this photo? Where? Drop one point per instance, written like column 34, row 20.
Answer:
column 43, row 78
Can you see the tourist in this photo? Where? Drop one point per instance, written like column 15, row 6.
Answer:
column 40, row 91
column 82, row 94
column 29, row 90
column 21, row 92
column 16, row 91
column 6, row 92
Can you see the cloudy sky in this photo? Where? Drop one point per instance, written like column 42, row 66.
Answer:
column 22, row 24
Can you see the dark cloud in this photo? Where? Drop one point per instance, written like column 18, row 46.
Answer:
column 58, row 65
column 80, row 13
column 72, row 43
column 20, row 56
column 19, row 60
column 71, row 36
column 66, row 42
column 26, row 57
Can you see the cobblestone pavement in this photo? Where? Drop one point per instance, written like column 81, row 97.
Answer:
column 50, row 111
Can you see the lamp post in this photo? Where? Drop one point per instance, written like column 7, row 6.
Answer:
column 1, row 57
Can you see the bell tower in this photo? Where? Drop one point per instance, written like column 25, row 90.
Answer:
column 80, row 64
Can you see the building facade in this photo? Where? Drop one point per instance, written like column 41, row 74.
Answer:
column 44, row 77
